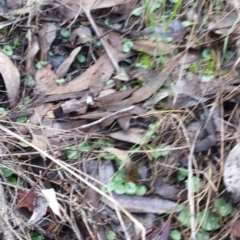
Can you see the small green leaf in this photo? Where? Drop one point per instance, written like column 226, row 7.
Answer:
column 119, row 178
column 65, row 33
column 184, row 217
column 73, row 154
column 207, row 54
column 41, row 64
column 12, row 180
column 30, row 81
column 107, row 156
column 35, row 236
column 81, row 58
column 110, row 81
column 131, row 188
column 127, row 46
column 120, row 189
column 112, row 186
column 7, row 49
column 84, row 146
column 175, row 235
column 60, row 81
column 141, row 190
column 137, row 12
column 16, row 42
column 182, row 174
column 22, row 119
column 222, row 207
column 110, row 235
column 6, row 172
column 210, row 221
column 108, row 22
column 3, row 111
column 197, row 183
column 202, row 235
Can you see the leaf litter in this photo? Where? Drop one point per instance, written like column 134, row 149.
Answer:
column 110, row 110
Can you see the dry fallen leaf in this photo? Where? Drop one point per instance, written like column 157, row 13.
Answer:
column 11, row 79
column 47, row 34
column 63, row 68
column 45, row 79
column 231, row 173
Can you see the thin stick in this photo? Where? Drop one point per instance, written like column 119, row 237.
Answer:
column 105, row 118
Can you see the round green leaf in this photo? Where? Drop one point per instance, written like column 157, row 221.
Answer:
column 127, row 46
column 41, row 64
column 30, row 81
column 73, row 154
column 3, row 111
column 141, row 190
column 112, row 186
column 175, row 235
column 111, row 235
column 65, row 33
column 81, row 58
column 131, row 188
column 210, row 221
column 207, row 54
column 184, row 217
column 182, row 174
column 6, row 172
column 197, row 183
column 120, row 189
column 223, row 207
column 202, row 235
column 7, row 49
column 60, row 81
column 22, row 119
column 119, row 177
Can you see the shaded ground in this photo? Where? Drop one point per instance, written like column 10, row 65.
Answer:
column 119, row 120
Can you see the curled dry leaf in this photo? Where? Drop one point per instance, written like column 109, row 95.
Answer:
column 231, row 173
column 11, row 79
column 63, row 68
column 40, row 209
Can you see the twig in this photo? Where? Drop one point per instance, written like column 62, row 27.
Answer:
column 105, row 118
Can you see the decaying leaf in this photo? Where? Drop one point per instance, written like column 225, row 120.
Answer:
column 121, row 154
column 231, row 173
column 11, row 79
column 81, row 35
column 39, row 141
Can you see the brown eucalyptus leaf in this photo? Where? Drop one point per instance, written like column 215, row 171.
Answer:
column 47, row 34
column 231, row 173
column 81, row 35
column 133, row 135
column 11, row 79
column 63, row 68
column 46, row 79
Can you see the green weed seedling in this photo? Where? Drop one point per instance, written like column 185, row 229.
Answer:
column 110, row 235
column 64, row 32
column 8, row 174
column 41, row 64
column 207, row 220
column 127, row 46
column 74, row 153
column 8, row 50
column 120, row 186
column 35, row 236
